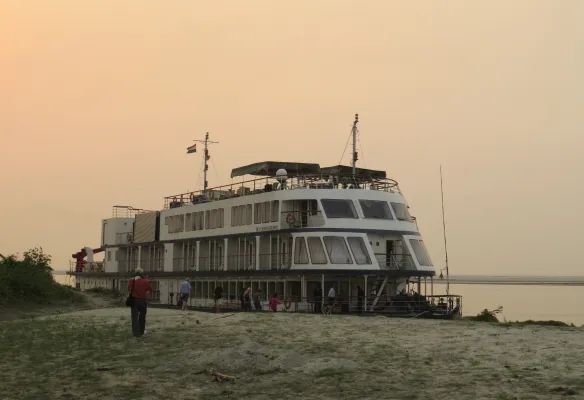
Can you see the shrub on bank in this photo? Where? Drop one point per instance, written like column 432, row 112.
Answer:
column 30, row 280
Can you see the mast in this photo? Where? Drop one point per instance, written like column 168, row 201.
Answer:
column 205, row 164
column 444, row 233
column 206, row 157
column 355, row 155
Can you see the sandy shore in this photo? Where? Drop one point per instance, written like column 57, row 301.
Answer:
column 91, row 354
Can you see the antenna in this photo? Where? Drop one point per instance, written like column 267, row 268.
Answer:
column 355, row 155
column 206, row 157
column 444, row 233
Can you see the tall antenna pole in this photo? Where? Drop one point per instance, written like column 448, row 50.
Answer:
column 206, row 157
column 355, row 155
column 444, row 232
column 206, row 165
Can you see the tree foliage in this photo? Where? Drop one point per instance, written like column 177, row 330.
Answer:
column 30, row 279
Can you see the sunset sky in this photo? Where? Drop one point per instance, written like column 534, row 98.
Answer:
column 99, row 100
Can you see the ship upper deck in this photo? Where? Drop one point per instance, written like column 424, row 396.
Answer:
column 303, row 176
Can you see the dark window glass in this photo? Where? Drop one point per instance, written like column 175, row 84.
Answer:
column 337, row 208
column 421, row 252
column 401, row 212
column 375, row 209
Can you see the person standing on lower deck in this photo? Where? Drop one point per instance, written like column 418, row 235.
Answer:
column 139, row 288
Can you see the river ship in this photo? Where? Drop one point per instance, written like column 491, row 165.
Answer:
column 294, row 229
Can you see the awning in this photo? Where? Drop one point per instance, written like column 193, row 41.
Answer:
column 345, row 170
column 269, row 168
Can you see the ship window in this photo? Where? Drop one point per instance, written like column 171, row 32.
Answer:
column 275, row 210
column 300, row 253
column 420, row 252
column 401, row 212
column 256, row 213
column 339, row 208
column 375, row 209
column 316, row 251
column 215, row 218
column 359, row 250
column 175, row 223
column 241, row 215
column 265, row 212
column 337, row 250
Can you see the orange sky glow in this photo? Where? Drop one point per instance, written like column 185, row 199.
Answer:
column 99, row 100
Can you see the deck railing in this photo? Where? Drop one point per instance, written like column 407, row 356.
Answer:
column 395, row 262
column 269, row 184
column 437, row 306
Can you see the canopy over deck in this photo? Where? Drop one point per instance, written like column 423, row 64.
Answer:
column 269, row 168
column 345, row 170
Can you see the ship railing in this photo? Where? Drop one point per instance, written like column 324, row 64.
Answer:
column 93, row 266
column 242, row 262
column 269, row 184
column 410, row 305
column 395, row 262
column 127, row 211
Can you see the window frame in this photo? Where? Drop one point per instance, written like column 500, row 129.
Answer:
column 323, row 203
column 346, row 247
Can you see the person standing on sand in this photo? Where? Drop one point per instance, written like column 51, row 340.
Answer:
column 257, row 304
column 185, row 292
column 247, row 295
column 317, row 294
column 217, row 296
column 274, row 302
column 139, row 288
column 330, row 297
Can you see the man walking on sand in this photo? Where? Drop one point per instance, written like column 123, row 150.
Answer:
column 139, row 288
column 185, row 292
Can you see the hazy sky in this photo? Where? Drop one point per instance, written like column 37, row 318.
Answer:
column 99, row 99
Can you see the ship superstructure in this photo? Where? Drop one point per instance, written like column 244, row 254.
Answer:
column 295, row 229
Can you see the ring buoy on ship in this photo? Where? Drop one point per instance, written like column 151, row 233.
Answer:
column 290, row 218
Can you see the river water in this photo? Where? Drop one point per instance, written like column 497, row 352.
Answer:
column 523, row 302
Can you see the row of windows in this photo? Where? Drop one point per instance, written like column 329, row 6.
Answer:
column 336, row 248
column 266, row 212
column 375, row 209
column 241, row 215
column 195, row 221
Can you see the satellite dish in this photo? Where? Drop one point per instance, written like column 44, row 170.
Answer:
column 281, row 175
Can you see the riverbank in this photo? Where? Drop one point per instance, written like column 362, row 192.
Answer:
column 91, row 355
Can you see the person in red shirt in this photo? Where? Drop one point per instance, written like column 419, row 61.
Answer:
column 140, row 289
column 274, row 302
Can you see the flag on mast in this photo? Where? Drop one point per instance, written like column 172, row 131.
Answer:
column 192, row 149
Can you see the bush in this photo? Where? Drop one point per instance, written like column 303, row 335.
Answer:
column 486, row 316
column 31, row 280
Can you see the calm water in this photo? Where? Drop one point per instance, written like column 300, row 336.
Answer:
column 520, row 302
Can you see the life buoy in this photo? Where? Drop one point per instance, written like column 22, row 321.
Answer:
column 290, row 218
